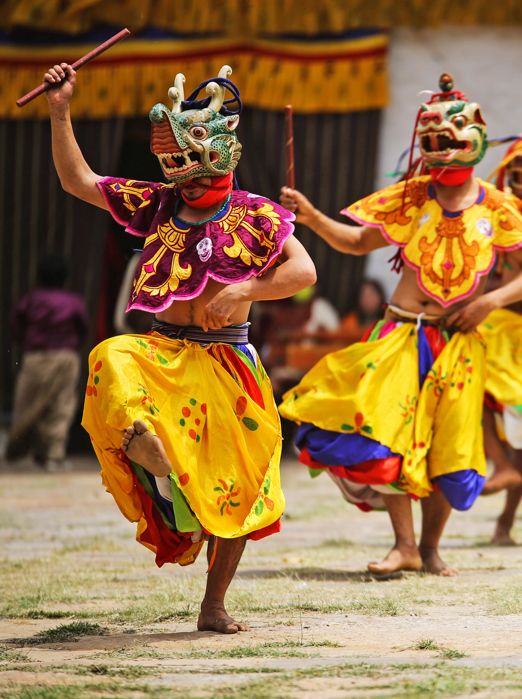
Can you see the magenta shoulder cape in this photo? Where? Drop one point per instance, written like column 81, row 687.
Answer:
column 242, row 240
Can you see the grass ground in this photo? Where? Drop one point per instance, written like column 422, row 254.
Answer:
column 84, row 612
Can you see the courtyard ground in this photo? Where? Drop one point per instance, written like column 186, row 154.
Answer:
column 85, row 613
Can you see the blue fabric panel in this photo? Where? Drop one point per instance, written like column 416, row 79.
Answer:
column 339, row 449
column 425, row 355
column 165, row 504
column 246, row 350
column 461, row 488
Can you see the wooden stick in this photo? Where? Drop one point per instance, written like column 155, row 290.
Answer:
column 75, row 66
column 289, row 132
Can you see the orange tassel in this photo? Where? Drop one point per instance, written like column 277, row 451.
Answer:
column 213, row 555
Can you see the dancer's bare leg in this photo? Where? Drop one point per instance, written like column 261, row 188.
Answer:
column 213, row 615
column 405, row 554
column 146, row 449
column 505, row 475
column 502, row 535
column 435, row 513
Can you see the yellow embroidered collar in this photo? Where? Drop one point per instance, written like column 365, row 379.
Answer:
column 450, row 250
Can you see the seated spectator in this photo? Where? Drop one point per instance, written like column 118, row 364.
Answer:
column 370, row 309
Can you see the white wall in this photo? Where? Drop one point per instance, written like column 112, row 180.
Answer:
column 485, row 63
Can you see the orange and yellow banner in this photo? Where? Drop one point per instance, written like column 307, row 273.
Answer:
column 337, row 75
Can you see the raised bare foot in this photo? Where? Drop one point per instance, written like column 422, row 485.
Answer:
column 502, row 479
column 433, row 564
column 215, row 618
column 145, row 449
column 397, row 559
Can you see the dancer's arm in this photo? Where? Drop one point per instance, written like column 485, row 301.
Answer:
column 468, row 317
column 75, row 175
column 295, row 272
column 356, row 240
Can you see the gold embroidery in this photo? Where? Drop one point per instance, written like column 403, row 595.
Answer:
column 173, row 238
column 496, row 200
column 456, row 254
column 127, row 190
column 389, row 209
column 236, row 219
column 450, row 251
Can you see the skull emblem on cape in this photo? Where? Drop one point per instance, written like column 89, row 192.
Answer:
column 204, row 249
column 195, row 142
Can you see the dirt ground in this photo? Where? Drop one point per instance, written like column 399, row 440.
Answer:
column 84, row 612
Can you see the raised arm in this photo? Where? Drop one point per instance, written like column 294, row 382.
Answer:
column 75, row 175
column 295, row 272
column 356, row 240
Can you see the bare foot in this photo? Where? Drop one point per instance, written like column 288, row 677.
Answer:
column 502, row 479
column 502, row 536
column 215, row 618
column 433, row 564
column 146, row 449
column 397, row 559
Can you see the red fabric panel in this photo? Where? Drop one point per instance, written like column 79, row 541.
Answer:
column 363, row 506
column 249, row 382
column 491, row 403
column 372, row 472
column 436, row 340
column 274, row 528
column 169, row 546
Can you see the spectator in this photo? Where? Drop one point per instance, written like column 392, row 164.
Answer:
column 50, row 325
column 370, row 309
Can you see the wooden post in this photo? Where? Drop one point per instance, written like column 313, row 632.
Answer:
column 289, row 133
column 75, row 66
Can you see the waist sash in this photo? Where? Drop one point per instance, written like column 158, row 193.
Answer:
column 231, row 335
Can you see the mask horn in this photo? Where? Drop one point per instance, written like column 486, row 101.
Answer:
column 216, row 91
column 177, row 93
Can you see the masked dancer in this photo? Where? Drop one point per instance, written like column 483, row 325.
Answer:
column 398, row 415
column 183, row 419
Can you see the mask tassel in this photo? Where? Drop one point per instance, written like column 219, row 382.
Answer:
column 398, row 262
column 409, row 172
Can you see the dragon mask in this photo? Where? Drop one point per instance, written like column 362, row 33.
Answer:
column 451, row 130
column 196, row 138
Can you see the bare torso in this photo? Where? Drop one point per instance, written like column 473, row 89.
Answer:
column 191, row 312
column 510, row 269
column 409, row 296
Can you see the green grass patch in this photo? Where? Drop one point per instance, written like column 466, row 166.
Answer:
column 425, row 644
column 450, row 654
column 66, row 633
column 12, row 655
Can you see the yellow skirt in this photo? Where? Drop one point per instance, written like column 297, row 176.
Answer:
column 213, row 409
column 367, row 415
column 502, row 333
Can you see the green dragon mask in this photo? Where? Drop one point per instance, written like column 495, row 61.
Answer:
column 196, row 142
column 451, row 130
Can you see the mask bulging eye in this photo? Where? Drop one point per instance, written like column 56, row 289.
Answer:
column 460, row 121
column 198, row 132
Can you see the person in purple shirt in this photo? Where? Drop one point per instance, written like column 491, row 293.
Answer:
column 50, row 324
